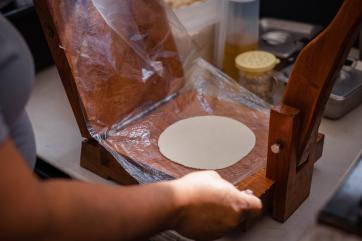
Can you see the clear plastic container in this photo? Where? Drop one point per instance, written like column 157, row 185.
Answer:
column 242, row 32
column 204, row 29
column 256, row 70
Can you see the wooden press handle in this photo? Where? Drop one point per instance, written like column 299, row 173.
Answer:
column 316, row 70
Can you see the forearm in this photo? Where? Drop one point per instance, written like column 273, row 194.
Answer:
column 70, row 210
column 82, row 211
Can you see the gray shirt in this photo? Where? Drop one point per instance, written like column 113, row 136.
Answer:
column 16, row 77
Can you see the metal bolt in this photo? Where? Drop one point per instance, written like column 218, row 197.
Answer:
column 275, row 148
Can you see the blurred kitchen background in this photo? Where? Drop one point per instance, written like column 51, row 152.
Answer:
column 22, row 14
column 224, row 29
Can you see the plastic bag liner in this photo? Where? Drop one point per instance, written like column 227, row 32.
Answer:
column 137, row 72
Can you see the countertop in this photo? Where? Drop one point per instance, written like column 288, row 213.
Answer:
column 59, row 142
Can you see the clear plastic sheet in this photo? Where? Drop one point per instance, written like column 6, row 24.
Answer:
column 137, row 72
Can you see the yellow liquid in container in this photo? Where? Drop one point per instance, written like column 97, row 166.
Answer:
column 230, row 53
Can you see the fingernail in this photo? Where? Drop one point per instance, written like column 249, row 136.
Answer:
column 249, row 192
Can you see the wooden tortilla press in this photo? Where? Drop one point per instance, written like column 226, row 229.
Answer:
column 287, row 158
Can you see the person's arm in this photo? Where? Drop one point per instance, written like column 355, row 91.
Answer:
column 200, row 205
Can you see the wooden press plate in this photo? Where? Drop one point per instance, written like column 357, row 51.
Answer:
column 138, row 141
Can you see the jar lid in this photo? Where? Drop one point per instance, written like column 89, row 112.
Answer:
column 256, row 61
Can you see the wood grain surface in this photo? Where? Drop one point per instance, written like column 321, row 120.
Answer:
column 138, row 140
column 108, row 78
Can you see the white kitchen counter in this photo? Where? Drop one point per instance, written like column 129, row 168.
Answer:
column 59, row 142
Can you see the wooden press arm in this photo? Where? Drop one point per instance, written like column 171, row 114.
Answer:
column 316, row 70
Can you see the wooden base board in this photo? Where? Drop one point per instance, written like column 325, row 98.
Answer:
column 98, row 160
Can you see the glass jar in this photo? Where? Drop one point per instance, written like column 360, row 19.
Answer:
column 256, row 69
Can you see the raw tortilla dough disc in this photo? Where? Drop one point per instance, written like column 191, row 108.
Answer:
column 206, row 142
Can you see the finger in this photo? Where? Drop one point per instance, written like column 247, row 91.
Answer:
column 212, row 173
column 248, row 191
column 254, row 204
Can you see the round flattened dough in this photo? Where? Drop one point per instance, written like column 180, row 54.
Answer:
column 206, row 142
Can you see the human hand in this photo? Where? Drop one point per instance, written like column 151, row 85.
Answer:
column 210, row 206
